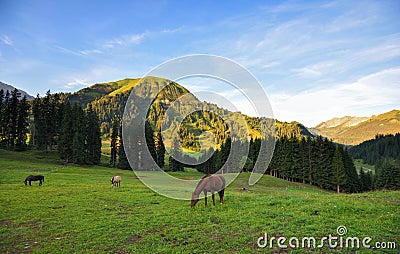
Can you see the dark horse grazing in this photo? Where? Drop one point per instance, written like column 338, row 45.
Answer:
column 209, row 183
column 31, row 178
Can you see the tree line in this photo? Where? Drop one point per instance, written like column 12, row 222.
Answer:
column 312, row 160
column 71, row 130
column 384, row 152
column 316, row 161
column 14, row 113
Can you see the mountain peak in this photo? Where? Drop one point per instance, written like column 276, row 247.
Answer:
column 5, row 87
column 354, row 130
column 345, row 121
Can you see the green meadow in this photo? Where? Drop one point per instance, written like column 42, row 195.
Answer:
column 77, row 211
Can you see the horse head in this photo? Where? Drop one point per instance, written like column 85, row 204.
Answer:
column 195, row 199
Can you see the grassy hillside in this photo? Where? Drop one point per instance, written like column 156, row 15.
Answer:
column 346, row 131
column 96, row 91
column 76, row 210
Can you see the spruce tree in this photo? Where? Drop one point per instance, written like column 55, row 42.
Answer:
column 22, row 124
column 79, row 153
column 160, row 150
column 123, row 162
column 388, row 176
column 2, row 112
column 339, row 175
column 352, row 184
column 65, row 146
column 11, row 124
column 93, row 139
column 175, row 165
column 114, row 142
column 148, row 162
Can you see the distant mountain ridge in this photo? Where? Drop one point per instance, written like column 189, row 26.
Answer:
column 346, row 121
column 108, row 100
column 10, row 88
column 354, row 130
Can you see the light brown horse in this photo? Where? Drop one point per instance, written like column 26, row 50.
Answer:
column 209, row 183
column 115, row 180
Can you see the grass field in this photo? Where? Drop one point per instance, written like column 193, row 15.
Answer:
column 77, row 211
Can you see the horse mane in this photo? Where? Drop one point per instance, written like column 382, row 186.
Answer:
column 201, row 184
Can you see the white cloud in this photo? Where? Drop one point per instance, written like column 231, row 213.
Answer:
column 7, row 40
column 372, row 94
column 90, row 51
column 124, row 40
column 75, row 82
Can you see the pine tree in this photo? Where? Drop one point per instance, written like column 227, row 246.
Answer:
column 114, row 142
column 47, row 112
column 79, row 153
column 339, row 175
column 352, row 184
column 93, row 139
column 11, row 124
column 123, row 162
column 160, row 150
column 2, row 112
column 65, row 147
column 175, row 165
column 22, row 124
column 148, row 162
column 388, row 175
column 6, row 119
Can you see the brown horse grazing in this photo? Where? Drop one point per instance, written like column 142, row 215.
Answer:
column 209, row 183
column 115, row 180
column 31, row 178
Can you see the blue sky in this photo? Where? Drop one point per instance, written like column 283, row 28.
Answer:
column 315, row 59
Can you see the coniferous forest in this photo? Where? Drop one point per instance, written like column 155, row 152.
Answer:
column 384, row 153
column 72, row 130
column 54, row 122
column 14, row 112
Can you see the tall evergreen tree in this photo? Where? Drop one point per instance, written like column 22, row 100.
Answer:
column 12, row 111
column 352, row 184
column 114, row 142
column 175, row 165
column 79, row 135
column 2, row 112
column 22, row 124
column 388, row 175
column 339, row 175
column 123, row 162
column 160, row 150
column 65, row 146
column 93, row 139
column 148, row 162
column 365, row 180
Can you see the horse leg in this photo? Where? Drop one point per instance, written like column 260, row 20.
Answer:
column 40, row 182
column 30, row 183
column 221, row 196
column 205, row 198
column 213, row 198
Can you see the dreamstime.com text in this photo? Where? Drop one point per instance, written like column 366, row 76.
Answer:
column 331, row 241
